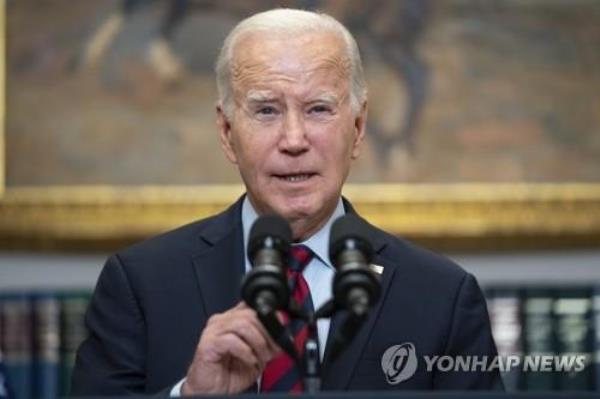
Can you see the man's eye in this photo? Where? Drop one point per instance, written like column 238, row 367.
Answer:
column 267, row 111
column 319, row 109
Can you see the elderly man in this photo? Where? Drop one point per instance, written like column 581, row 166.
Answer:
column 166, row 314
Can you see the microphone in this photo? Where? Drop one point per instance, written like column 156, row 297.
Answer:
column 265, row 287
column 355, row 287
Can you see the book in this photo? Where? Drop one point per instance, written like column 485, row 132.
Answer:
column 16, row 342
column 5, row 387
column 596, row 336
column 538, row 337
column 573, row 331
column 73, row 331
column 504, row 306
column 46, row 327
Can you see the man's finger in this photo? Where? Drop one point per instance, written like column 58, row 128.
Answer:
column 233, row 345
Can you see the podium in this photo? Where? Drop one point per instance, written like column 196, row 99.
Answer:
column 413, row 395
column 436, row 395
column 440, row 395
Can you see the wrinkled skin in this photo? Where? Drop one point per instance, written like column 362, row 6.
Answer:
column 292, row 116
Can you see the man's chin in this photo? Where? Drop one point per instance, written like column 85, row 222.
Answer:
column 303, row 217
column 292, row 213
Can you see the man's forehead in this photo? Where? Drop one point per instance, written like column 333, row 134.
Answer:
column 266, row 50
column 261, row 59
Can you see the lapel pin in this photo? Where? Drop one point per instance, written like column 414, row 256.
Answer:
column 378, row 269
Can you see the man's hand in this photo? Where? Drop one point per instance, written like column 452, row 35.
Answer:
column 233, row 351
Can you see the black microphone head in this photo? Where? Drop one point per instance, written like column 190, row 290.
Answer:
column 349, row 232
column 269, row 231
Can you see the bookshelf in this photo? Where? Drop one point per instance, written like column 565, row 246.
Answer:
column 49, row 292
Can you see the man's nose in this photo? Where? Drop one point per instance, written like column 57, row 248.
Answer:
column 293, row 136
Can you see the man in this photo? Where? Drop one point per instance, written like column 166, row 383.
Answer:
column 166, row 314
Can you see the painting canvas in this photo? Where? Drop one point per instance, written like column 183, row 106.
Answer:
column 122, row 92
column 482, row 129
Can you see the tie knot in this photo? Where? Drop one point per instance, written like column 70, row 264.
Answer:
column 300, row 256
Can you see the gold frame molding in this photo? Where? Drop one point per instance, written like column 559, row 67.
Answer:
column 447, row 217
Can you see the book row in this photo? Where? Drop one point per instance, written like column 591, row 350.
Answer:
column 39, row 336
column 547, row 337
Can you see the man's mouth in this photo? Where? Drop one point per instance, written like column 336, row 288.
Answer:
column 295, row 178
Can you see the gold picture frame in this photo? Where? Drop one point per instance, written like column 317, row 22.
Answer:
column 447, row 217
column 444, row 216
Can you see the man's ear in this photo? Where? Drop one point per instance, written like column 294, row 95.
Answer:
column 225, row 133
column 360, row 125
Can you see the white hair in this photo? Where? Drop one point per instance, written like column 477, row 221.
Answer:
column 291, row 22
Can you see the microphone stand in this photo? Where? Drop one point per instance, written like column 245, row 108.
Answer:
column 310, row 364
column 312, row 358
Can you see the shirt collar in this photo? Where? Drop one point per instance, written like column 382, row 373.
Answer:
column 318, row 242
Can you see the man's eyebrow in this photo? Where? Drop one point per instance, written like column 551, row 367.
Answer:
column 260, row 96
column 326, row 97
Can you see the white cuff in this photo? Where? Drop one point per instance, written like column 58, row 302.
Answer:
column 176, row 390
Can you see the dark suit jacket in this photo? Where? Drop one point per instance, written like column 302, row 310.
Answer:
column 153, row 299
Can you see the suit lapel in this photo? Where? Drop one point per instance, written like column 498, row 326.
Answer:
column 337, row 376
column 220, row 266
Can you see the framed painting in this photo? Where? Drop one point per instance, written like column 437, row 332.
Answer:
column 482, row 134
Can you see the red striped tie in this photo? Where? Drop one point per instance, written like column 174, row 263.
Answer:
column 281, row 373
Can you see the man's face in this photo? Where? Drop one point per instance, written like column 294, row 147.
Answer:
column 292, row 133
